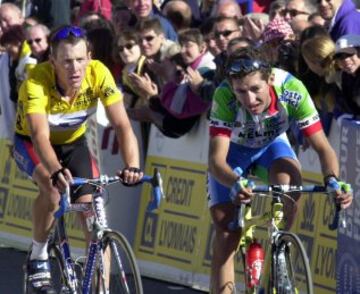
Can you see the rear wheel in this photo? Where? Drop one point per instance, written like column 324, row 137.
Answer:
column 120, row 260
column 291, row 269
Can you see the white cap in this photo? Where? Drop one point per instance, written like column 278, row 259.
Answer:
column 346, row 42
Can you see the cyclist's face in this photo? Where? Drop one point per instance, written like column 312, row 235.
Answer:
column 70, row 62
column 252, row 91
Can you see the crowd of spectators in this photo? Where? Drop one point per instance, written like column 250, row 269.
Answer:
column 168, row 56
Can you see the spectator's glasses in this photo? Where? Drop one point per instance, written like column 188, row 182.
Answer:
column 243, row 65
column 37, row 41
column 65, row 32
column 292, row 12
column 128, row 46
column 147, row 39
column 344, row 55
column 225, row 33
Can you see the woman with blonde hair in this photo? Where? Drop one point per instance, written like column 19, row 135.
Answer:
column 318, row 53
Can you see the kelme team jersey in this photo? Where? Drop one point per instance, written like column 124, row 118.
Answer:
column 67, row 122
column 290, row 102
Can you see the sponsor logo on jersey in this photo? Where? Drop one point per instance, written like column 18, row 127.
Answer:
column 291, row 97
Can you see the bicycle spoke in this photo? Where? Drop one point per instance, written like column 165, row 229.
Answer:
column 124, row 277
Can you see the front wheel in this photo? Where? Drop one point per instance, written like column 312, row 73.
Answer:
column 117, row 270
column 291, row 270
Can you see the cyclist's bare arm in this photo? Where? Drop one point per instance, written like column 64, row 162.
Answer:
column 218, row 167
column 327, row 155
column 40, row 136
column 128, row 143
column 329, row 162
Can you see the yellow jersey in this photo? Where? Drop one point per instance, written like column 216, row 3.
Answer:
column 67, row 121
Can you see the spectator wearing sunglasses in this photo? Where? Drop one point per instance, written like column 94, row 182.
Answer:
column 37, row 38
column 341, row 16
column 156, row 48
column 297, row 14
column 225, row 29
column 50, row 145
column 177, row 108
column 347, row 56
column 251, row 112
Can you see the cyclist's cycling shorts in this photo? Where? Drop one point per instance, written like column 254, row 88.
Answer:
column 257, row 159
column 75, row 156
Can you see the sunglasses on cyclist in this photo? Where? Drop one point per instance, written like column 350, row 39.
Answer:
column 37, row 41
column 292, row 12
column 243, row 65
column 65, row 32
column 128, row 46
column 225, row 33
column 148, row 39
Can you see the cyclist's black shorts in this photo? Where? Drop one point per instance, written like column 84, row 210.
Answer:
column 75, row 156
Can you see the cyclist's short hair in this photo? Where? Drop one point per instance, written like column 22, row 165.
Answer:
column 191, row 35
column 244, row 61
column 66, row 34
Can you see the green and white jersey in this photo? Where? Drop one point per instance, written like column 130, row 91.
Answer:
column 290, row 101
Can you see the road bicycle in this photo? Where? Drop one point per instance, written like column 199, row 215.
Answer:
column 110, row 265
column 286, row 262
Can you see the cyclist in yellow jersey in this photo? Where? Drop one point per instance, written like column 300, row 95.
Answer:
column 50, row 146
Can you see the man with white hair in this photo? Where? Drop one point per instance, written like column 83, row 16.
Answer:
column 10, row 15
column 37, row 38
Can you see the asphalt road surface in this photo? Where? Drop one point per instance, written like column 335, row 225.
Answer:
column 11, row 279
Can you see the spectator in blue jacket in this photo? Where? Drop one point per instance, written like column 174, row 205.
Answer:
column 342, row 17
column 143, row 9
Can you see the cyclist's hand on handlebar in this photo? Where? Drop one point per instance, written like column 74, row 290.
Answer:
column 61, row 179
column 241, row 191
column 130, row 175
column 341, row 190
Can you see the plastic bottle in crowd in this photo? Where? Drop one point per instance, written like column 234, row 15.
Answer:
column 254, row 263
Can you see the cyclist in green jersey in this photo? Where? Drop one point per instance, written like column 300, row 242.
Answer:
column 250, row 115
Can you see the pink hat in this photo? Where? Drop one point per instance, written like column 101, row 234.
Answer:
column 278, row 28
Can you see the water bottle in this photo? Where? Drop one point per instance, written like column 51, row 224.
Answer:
column 254, row 263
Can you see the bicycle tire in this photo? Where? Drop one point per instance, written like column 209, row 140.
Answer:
column 291, row 269
column 120, row 254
